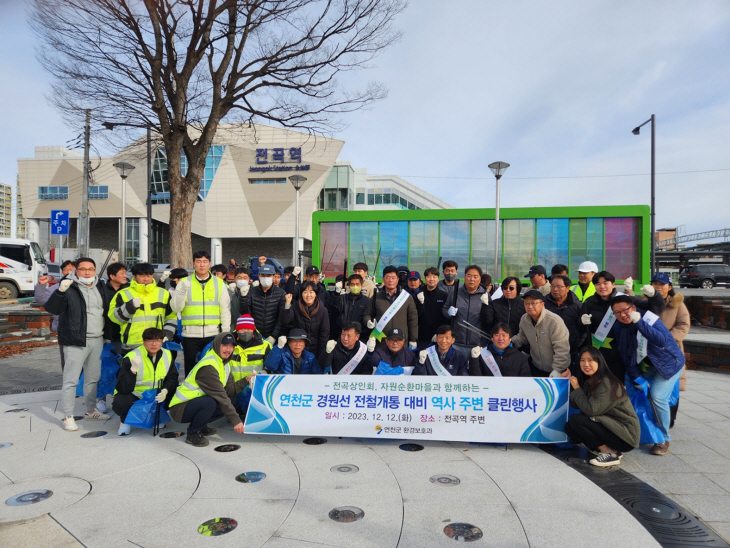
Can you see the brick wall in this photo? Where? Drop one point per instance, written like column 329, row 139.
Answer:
column 707, row 355
column 24, row 324
column 709, row 311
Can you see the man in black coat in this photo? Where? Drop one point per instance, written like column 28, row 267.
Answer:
column 348, row 306
column 348, row 353
column 429, row 309
column 563, row 302
column 264, row 302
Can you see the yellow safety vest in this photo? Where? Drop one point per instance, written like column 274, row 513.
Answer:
column 149, row 374
column 151, row 313
column 579, row 292
column 202, row 304
column 189, row 389
column 242, row 363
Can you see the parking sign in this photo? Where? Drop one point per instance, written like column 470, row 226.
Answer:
column 59, row 222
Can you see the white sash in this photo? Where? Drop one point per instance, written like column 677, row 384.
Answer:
column 606, row 324
column 643, row 344
column 408, row 369
column 353, row 363
column 392, row 311
column 436, row 363
column 491, row 362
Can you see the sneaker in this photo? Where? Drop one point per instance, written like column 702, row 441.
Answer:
column 208, row 431
column 605, row 459
column 70, row 424
column 101, row 406
column 96, row 415
column 660, row 448
column 196, row 439
column 124, row 429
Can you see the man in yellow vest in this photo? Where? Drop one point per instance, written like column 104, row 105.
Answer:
column 585, row 288
column 142, row 369
column 248, row 357
column 205, row 394
column 204, row 305
column 142, row 305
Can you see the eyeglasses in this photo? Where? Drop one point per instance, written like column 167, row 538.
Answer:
column 623, row 312
column 92, row 269
column 558, row 286
column 510, row 288
column 533, row 304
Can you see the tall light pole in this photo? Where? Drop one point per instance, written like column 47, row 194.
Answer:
column 124, row 170
column 297, row 181
column 498, row 168
column 652, row 213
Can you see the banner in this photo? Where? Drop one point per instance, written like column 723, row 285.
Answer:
column 479, row 409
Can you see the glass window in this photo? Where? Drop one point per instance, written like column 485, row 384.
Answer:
column 552, row 242
column 622, row 247
column 360, row 197
column 160, row 188
column 454, row 243
column 378, row 199
column 482, row 244
column 518, row 243
column 132, row 242
column 423, row 250
column 363, row 244
column 393, row 244
column 333, row 248
column 371, row 197
column 586, row 243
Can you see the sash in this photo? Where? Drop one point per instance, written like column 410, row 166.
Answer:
column 353, row 363
column 491, row 362
column 605, row 327
column 498, row 293
column 392, row 311
column 436, row 363
column 643, row 344
column 407, row 370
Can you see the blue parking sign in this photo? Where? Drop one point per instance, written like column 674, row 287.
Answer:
column 59, row 222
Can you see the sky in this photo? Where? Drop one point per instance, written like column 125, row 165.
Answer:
column 552, row 88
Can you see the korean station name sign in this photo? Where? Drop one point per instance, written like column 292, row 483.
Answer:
column 479, row 409
column 276, row 160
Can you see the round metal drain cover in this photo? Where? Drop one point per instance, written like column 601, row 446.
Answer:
column 96, row 434
column 29, row 497
column 346, row 514
column 463, row 532
column 655, row 509
column 443, row 479
column 172, row 434
column 250, row 477
column 5, row 445
column 217, row 526
column 344, row 469
column 227, row 448
column 314, row 441
column 19, row 410
column 411, row 447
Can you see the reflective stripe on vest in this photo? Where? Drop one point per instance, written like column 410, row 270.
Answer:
column 189, row 389
column 149, row 374
column 241, row 365
column 202, row 304
column 150, row 314
column 583, row 296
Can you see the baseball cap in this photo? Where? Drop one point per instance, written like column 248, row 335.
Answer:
column 403, row 269
column 535, row 270
column 311, row 269
column 297, row 334
column 177, row 273
column 414, row 275
column 588, row 266
column 245, row 322
column 661, row 277
column 228, row 339
column 266, row 270
column 394, row 333
column 533, row 294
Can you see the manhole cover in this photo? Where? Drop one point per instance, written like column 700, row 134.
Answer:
column 463, row 532
column 443, row 479
column 5, row 445
column 411, row 447
column 227, row 448
column 19, row 410
column 346, row 514
column 217, row 526
column 172, row 434
column 344, row 469
column 29, row 497
column 250, row 477
column 78, row 417
column 655, row 509
column 314, row 441
column 96, row 434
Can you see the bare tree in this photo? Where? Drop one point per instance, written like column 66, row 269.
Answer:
column 185, row 66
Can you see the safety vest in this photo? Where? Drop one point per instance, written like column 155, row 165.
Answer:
column 189, row 389
column 244, row 363
column 151, row 313
column 579, row 292
column 202, row 304
column 149, row 374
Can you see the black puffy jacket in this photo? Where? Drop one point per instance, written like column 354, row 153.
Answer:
column 317, row 325
column 265, row 308
column 512, row 363
column 341, row 356
column 70, row 307
column 569, row 311
column 346, row 307
column 508, row 311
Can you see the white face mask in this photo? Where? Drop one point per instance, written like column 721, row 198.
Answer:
column 87, row 281
column 266, row 281
column 240, row 284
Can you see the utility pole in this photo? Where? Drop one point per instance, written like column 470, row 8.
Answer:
column 83, row 243
column 149, row 193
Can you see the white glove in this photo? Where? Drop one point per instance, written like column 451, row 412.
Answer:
column 297, row 270
column 476, row 351
column 135, row 363
column 255, row 284
column 422, row 356
column 183, row 286
column 165, row 275
column 635, row 316
column 330, row 346
column 585, row 319
column 628, row 284
column 648, row 290
column 433, row 339
column 554, row 374
column 412, row 345
column 245, row 289
column 485, row 298
column 421, row 297
column 271, row 340
column 338, row 287
column 371, row 324
column 137, row 302
column 159, row 398
column 232, row 286
column 452, row 311
column 282, row 342
column 371, row 344
column 64, row 285
column 321, row 276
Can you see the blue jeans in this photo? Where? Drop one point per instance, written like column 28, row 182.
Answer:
column 660, row 390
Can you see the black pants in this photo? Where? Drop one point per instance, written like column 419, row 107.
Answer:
column 536, row 372
column 581, row 429
column 199, row 412
column 191, row 347
column 122, row 403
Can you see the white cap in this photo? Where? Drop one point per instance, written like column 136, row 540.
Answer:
column 588, row 266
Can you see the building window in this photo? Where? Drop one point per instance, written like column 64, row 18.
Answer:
column 132, row 242
column 98, row 192
column 266, row 181
column 52, row 192
column 160, row 188
column 360, row 196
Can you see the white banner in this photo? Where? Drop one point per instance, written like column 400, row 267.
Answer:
column 480, row 409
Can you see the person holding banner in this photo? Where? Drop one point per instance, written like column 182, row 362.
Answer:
column 500, row 358
column 653, row 359
column 607, row 423
column 442, row 359
column 392, row 307
column 349, row 355
column 289, row 357
column 394, row 354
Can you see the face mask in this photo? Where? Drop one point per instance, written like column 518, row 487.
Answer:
column 266, row 281
column 355, row 289
column 87, row 281
column 402, row 277
column 450, row 277
column 240, row 284
column 246, row 335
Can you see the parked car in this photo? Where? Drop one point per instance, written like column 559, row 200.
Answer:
column 705, row 276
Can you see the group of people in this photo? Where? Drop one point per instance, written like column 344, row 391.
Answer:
column 412, row 324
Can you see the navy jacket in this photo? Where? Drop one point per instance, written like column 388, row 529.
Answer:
column 281, row 362
column 455, row 363
column 404, row 357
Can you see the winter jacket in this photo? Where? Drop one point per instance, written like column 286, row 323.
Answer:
column 314, row 320
column 265, row 308
column 662, row 352
column 347, row 307
column 42, row 293
column 511, row 363
column 127, row 381
column 448, row 288
column 569, row 311
column 70, row 307
column 618, row 416
column 281, row 362
column 296, row 291
column 403, row 358
column 469, row 309
column 549, row 341
column 112, row 331
column 406, row 319
column 676, row 318
column 430, row 314
column 502, row 310
column 454, row 362
column 340, row 356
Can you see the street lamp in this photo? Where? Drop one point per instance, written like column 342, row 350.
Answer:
column 498, row 168
column 636, row 131
column 298, row 181
column 124, row 170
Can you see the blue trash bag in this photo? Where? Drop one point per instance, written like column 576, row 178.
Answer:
column 110, row 361
column 386, row 369
column 142, row 413
column 172, row 346
column 243, row 399
column 650, row 431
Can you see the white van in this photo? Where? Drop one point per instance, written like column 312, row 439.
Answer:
column 21, row 263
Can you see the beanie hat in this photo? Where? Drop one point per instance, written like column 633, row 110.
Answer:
column 245, row 322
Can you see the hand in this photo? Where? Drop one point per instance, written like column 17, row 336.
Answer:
column 421, row 297
column 628, row 284
column 422, row 356
column 250, row 377
column 338, row 287
column 64, row 285
column 231, row 286
column 282, row 342
column 476, row 351
column 169, row 335
column 244, row 290
column 635, row 316
column 183, row 286
column 330, row 346
column 271, row 340
column 641, row 384
column 556, row 374
column 255, row 284
column 412, row 345
column 485, row 299
column 136, row 362
column 297, row 270
column 165, row 275
column 648, row 290
column 585, row 319
column 43, row 280
column 574, row 382
column 452, row 311
column 371, row 344
column 371, row 324
column 262, row 260
column 321, row 276
column 565, row 374
column 433, row 339
column 159, row 398
column 132, row 306
column 287, row 299
column 238, row 428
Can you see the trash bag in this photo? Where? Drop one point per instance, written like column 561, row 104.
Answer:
column 142, row 413
column 172, row 346
column 674, row 404
column 650, row 431
column 386, row 369
column 110, row 361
